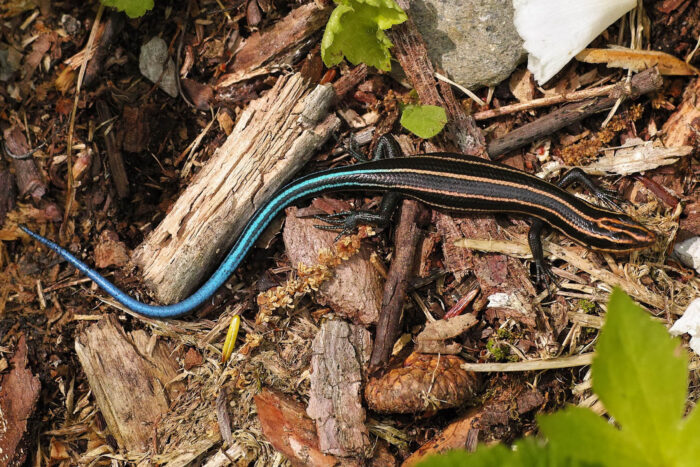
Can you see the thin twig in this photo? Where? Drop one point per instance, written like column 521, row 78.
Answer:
column 466, row 91
column 70, row 192
column 532, row 365
column 546, row 101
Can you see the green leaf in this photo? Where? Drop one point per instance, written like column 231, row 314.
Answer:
column 580, row 434
column 133, row 8
column 425, row 121
column 355, row 31
column 640, row 375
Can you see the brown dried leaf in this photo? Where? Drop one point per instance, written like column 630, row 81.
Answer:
column 637, row 60
column 522, row 85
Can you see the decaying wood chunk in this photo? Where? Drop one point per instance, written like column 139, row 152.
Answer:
column 130, row 375
column 19, row 391
column 423, row 383
column 355, row 289
column 273, row 138
column 341, row 351
column 683, row 127
column 291, row 432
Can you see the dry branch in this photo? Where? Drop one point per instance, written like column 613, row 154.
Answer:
column 114, row 156
column 547, row 101
column 642, row 83
column 273, row 138
column 408, row 233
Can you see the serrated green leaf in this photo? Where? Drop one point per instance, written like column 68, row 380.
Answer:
column 355, row 31
column 133, row 8
column 425, row 121
column 639, row 373
column 580, row 434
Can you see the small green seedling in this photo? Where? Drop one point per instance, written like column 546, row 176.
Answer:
column 425, row 121
column 133, row 8
column 640, row 375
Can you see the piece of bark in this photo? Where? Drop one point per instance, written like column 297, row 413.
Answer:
column 340, row 352
column 291, row 432
column 348, row 81
column 642, row 83
column 355, row 289
column 407, row 236
column 114, row 156
column 273, row 138
column 463, row 433
column 276, row 43
column 110, row 251
column 135, row 128
column 495, row 273
column 423, row 383
column 8, row 194
column 683, row 126
column 131, row 377
column 19, row 392
column 29, row 180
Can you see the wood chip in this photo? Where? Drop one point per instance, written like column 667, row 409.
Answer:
column 683, row 126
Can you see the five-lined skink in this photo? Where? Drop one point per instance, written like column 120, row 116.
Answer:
column 447, row 181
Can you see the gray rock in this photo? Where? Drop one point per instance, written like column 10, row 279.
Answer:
column 688, row 252
column 474, row 41
column 154, row 55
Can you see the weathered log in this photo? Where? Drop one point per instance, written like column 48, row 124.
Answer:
column 272, row 139
column 130, row 378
